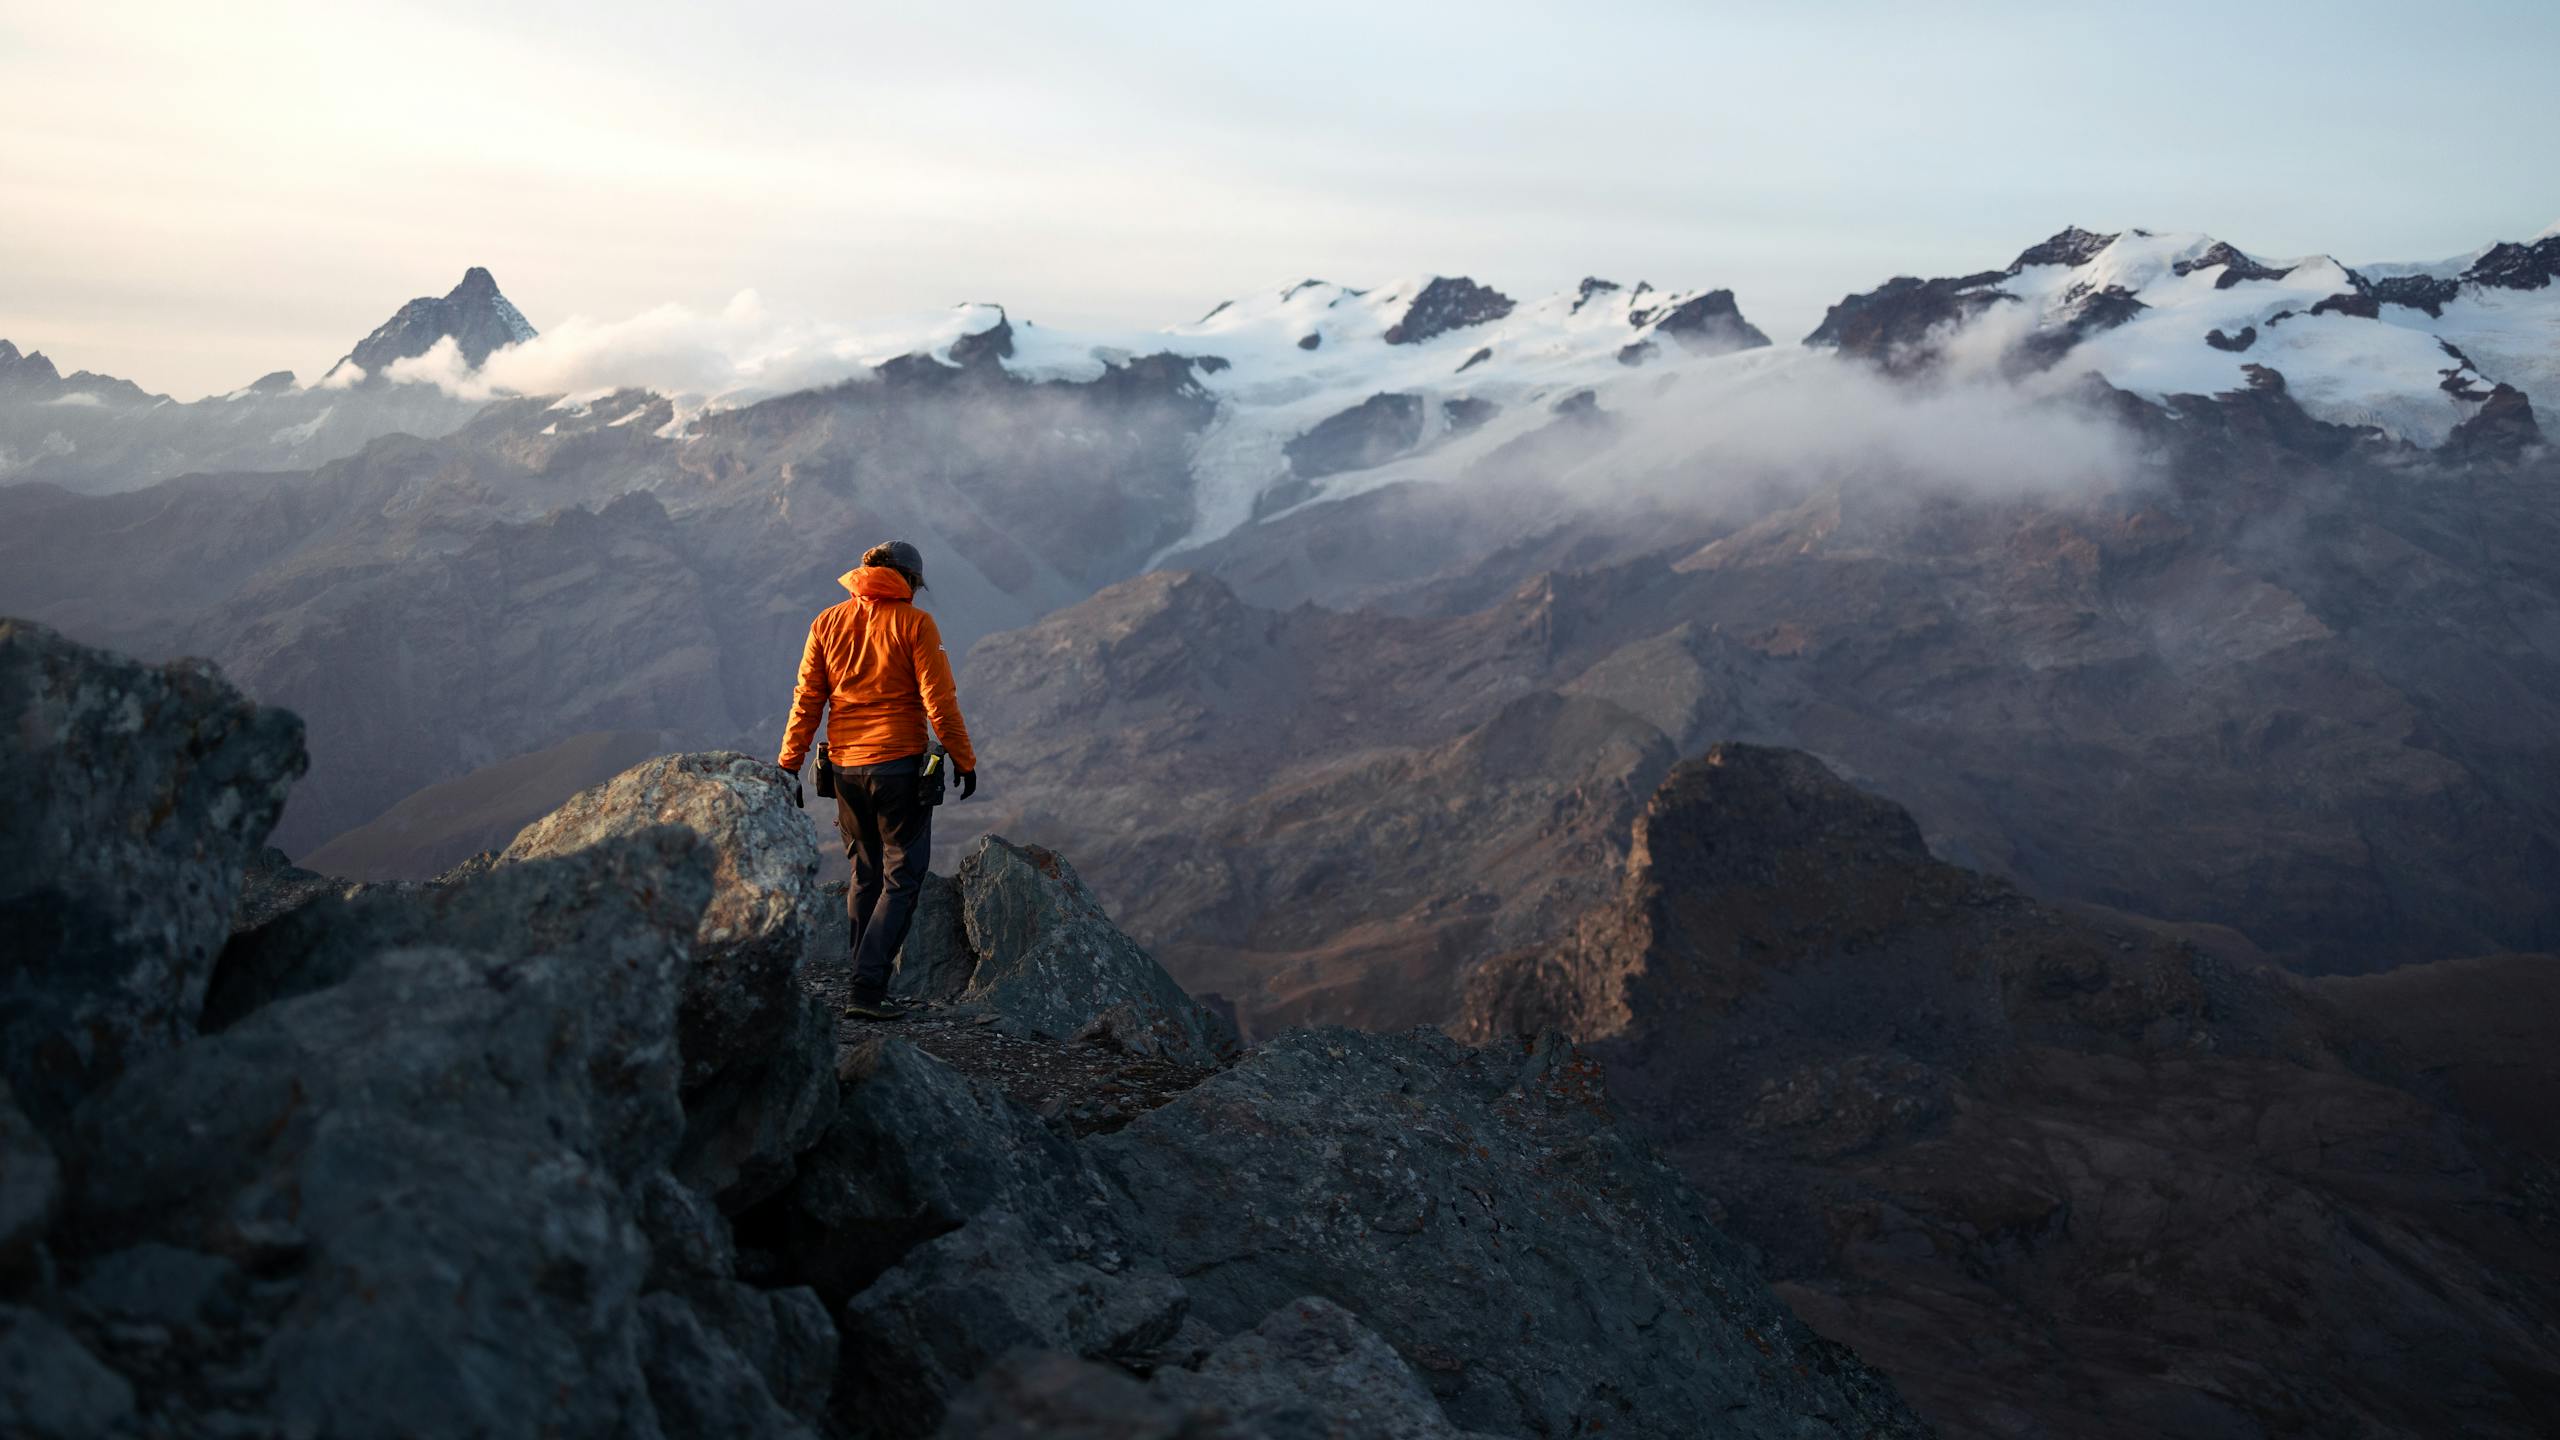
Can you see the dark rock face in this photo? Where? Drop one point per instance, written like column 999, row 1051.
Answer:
column 1591, row 287
column 754, row 1097
column 136, row 795
column 2247, row 337
column 1372, row 432
column 2070, row 246
column 2237, row 268
column 1708, row 324
column 436, row 1147
column 1448, row 302
column 1893, row 325
column 916, row 1152
column 1929, row 1099
column 1423, row 1186
column 1464, row 413
column 2517, row 267
column 473, row 314
column 2084, row 313
column 2503, row 429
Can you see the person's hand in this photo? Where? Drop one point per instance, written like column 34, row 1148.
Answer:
column 799, row 801
column 968, row 783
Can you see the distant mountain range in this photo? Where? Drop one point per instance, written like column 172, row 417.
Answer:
column 476, row 580
column 1318, row 383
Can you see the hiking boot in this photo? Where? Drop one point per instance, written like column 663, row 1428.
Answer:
column 873, row 1007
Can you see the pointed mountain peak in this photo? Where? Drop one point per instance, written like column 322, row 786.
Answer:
column 474, row 313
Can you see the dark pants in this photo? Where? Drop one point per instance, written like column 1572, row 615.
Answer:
column 888, row 834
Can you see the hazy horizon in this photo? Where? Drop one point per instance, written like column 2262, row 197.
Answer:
column 201, row 197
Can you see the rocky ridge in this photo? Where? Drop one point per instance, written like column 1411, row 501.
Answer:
column 2061, row 1170
column 435, row 1168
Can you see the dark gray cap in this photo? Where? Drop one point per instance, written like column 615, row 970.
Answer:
column 897, row 553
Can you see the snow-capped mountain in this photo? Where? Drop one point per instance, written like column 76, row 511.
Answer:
column 92, row 432
column 2414, row 350
column 474, row 314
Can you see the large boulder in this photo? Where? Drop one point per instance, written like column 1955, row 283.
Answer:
column 1047, row 962
column 1490, row 1218
column 758, row 1088
column 952, row 1226
column 914, row 1152
column 431, row 1160
column 135, row 794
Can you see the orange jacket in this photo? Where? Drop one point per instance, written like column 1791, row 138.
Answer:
column 875, row 664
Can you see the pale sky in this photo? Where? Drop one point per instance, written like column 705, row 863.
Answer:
column 192, row 194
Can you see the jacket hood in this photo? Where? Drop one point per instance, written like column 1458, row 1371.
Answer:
column 877, row 582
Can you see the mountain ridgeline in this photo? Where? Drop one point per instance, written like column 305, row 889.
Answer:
column 2282, row 661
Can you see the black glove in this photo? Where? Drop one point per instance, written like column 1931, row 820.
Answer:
column 799, row 801
column 968, row 782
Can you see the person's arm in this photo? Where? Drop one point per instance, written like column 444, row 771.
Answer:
column 941, row 696
column 808, row 699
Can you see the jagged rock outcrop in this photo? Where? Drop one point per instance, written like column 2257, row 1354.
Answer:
column 419, row 1181
column 136, row 795
column 432, row 1153
column 1901, row 324
column 1015, row 936
column 1049, row 962
column 1446, row 303
column 1708, row 324
column 2004, row 1149
column 757, row 1090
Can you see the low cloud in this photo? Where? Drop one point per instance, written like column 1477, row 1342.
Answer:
column 1813, row 416
column 731, row 356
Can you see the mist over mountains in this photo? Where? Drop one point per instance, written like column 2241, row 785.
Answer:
column 489, row 568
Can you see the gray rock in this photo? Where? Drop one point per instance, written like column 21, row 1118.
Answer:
column 1495, row 1224
column 785, row 1334
column 1046, row 1395
column 745, row 1125
column 1049, row 961
column 50, row 1387
column 914, row 1152
column 136, row 793
column 690, row 1245
column 1309, row 1371
column 440, row 1143
column 757, row 1087
column 30, row 1186
column 700, row 1385
column 155, row 1284
column 1312, row 1369
column 944, row 1314
column 936, row 962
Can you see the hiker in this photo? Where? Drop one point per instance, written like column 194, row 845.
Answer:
column 875, row 664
